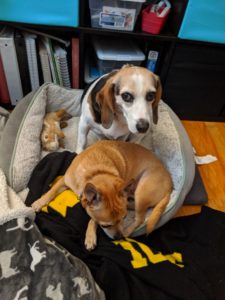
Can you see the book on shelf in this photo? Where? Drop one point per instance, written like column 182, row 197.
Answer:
column 31, row 50
column 60, row 55
column 45, row 63
column 46, row 54
column 10, row 65
column 29, row 58
column 75, row 62
column 22, row 61
column 49, row 48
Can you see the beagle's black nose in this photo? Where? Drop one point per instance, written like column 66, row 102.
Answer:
column 142, row 125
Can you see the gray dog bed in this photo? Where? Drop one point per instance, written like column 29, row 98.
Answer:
column 20, row 147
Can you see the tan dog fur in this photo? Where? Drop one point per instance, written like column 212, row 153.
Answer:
column 105, row 175
column 52, row 137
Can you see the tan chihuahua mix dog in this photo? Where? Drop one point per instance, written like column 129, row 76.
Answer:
column 106, row 174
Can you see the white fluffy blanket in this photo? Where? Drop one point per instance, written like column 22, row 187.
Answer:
column 12, row 206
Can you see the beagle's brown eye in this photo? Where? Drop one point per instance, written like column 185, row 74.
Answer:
column 150, row 96
column 127, row 97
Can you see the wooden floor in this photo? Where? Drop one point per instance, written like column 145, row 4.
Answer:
column 209, row 138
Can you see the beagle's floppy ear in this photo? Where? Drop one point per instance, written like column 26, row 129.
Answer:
column 157, row 99
column 106, row 100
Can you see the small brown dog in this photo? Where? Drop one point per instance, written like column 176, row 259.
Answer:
column 105, row 175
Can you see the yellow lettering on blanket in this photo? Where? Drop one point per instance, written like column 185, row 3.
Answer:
column 139, row 260
column 66, row 199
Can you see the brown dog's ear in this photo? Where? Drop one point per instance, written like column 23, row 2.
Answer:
column 106, row 100
column 131, row 187
column 91, row 195
column 157, row 99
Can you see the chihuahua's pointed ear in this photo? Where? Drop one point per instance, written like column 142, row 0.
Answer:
column 91, row 195
column 106, row 100
column 157, row 99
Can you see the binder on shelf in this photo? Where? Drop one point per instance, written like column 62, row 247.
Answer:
column 4, row 92
column 45, row 64
column 60, row 56
column 22, row 61
column 48, row 44
column 56, row 58
column 30, row 42
column 75, row 63
column 10, row 65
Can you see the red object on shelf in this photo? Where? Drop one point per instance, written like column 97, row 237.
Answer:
column 151, row 21
column 4, row 92
column 75, row 63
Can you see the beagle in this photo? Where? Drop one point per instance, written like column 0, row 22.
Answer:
column 120, row 105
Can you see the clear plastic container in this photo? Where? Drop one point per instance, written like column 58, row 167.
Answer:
column 114, row 14
column 114, row 53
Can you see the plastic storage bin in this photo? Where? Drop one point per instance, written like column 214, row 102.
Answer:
column 204, row 20
column 114, row 53
column 114, row 14
column 51, row 12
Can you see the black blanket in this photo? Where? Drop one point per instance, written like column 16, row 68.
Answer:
column 184, row 259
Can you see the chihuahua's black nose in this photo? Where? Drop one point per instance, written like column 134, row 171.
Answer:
column 117, row 236
column 142, row 125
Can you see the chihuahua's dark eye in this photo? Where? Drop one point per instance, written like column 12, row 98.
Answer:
column 127, row 97
column 150, row 96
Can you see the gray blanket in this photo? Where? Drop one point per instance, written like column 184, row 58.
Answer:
column 32, row 267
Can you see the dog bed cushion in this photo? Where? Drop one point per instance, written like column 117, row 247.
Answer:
column 20, row 147
column 4, row 115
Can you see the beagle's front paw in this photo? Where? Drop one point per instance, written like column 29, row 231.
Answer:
column 90, row 241
column 79, row 150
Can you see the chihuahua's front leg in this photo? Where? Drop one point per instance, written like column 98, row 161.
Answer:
column 83, row 129
column 57, row 188
column 91, row 235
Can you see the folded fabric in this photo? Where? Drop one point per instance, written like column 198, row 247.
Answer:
column 11, row 206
